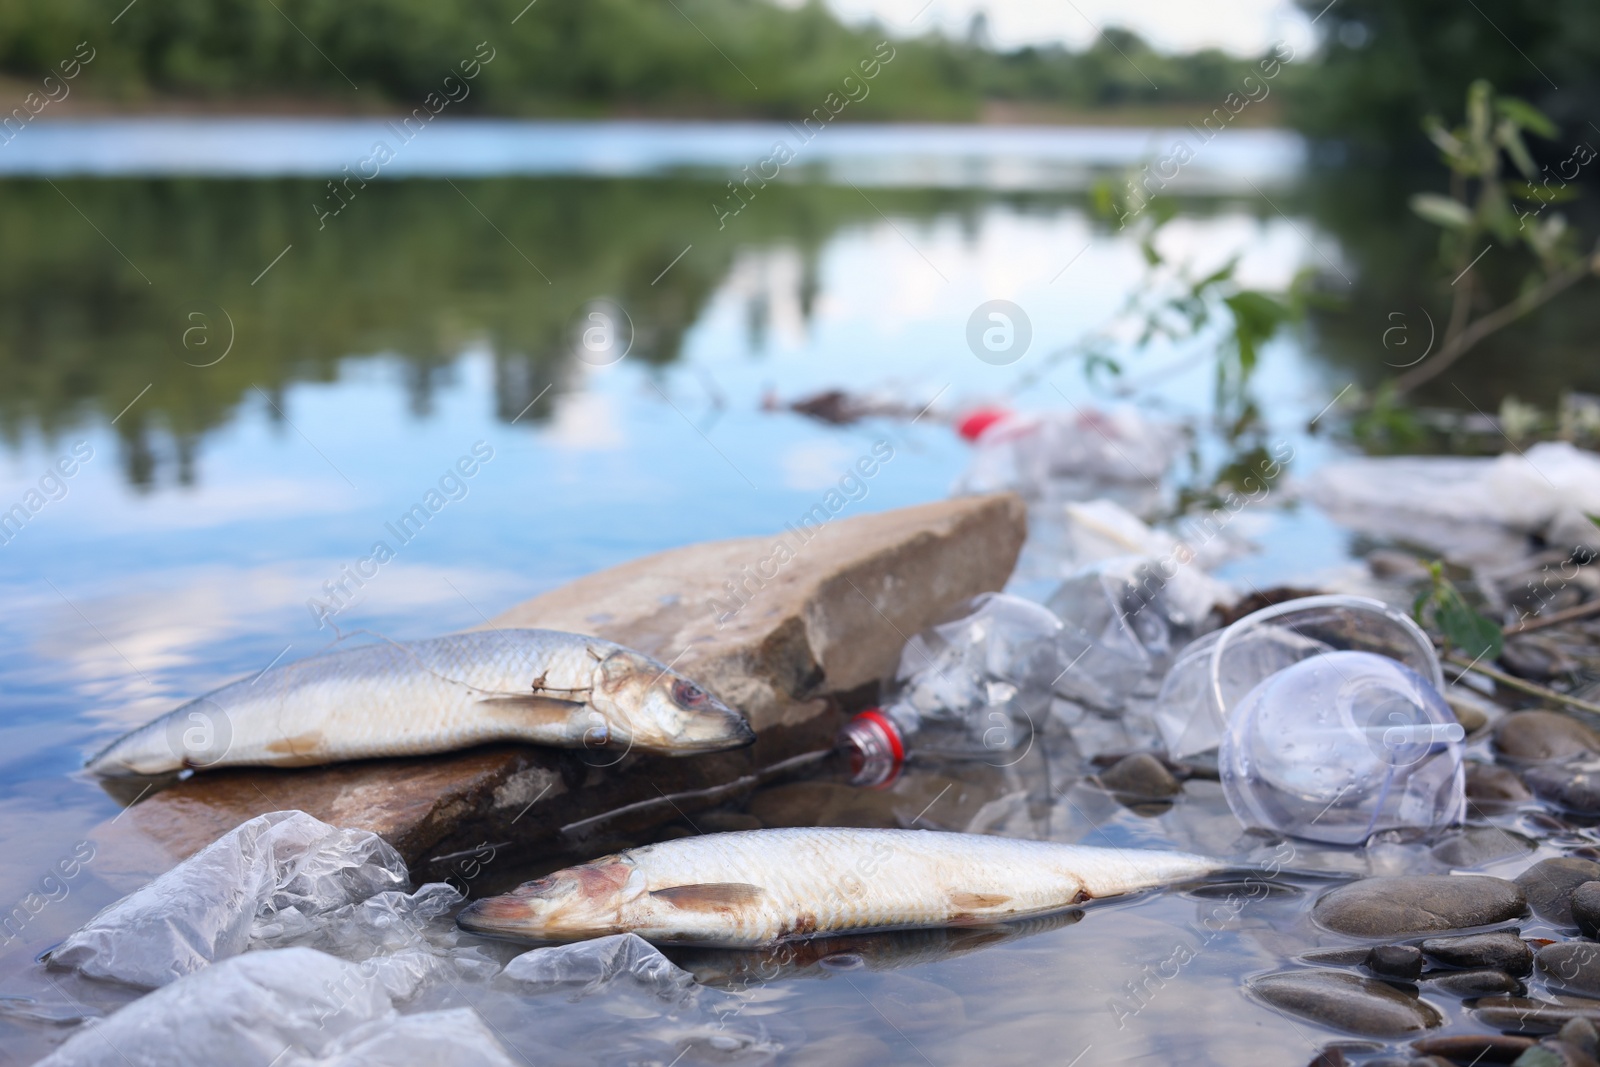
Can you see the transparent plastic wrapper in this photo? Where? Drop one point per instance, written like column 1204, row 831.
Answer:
column 589, row 967
column 274, row 873
column 1068, row 452
column 1121, row 625
column 430, row 1039
column 1212, row 675
column 1343, row 745
column 249, row 1011
column 975, row 685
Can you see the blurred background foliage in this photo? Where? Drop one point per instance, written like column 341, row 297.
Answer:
column 578, row 57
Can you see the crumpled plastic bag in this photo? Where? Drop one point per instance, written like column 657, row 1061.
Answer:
column 275, row 872
column 588, row 967
column 1464, row 507
column 387, row 924
column 245, row 1012
column 431, row 1039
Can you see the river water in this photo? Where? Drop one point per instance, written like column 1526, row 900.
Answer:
column 249, row 375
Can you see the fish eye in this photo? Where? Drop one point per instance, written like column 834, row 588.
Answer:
column 686, row 694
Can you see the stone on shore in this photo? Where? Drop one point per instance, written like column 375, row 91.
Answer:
column 824, row 620
column 1418, row 904
column 1535, row 736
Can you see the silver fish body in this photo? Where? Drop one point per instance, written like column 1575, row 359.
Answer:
column 405, row 699
column 760, row 887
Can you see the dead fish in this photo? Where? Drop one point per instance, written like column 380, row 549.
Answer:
column 447, row 693
column 818, row 957
column 760, row 887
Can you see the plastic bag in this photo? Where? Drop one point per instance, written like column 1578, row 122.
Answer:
column 588, row 967
column 274, row 873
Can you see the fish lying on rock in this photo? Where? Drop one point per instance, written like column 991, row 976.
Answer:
column 438, row 695
column 755, row 888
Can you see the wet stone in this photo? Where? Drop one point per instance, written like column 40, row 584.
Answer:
column 1417, row 904
column 1582, row 1034
column 1571, row 965
column 1346, row 1002
column 1474, row 1048
column 1470, row 710
column 1395, row 961
column 1573, row 786
column 1554, row 1052
column 1503, row 950
column 1490, row 784
column 1533, row 736
column 1476, row 846
column 1549, row 885
column 1586, row 908
column 1140, row 775
column 1533, row 1015
column 1478, row 983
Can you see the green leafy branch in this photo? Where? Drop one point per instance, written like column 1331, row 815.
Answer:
column 1482, row 205
column 1464, row 630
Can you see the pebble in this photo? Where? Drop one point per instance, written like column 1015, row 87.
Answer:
column 1471, row 711
column 1549, row 885
column 1418, row 904
column 1474, row 1048
column 1479, row 983
column 1571, row 965
column 1140, row 775
column 1395, row 961
column 1346, row 1002
column 1504, row 950
column 1476, row 846
column 1573, row 786
column 1586, row 908
column 1534, row 736
column 1536, row 658
column 1532, row 1015
column 1488, row 783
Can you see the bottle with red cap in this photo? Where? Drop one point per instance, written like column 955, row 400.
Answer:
column 973, row 686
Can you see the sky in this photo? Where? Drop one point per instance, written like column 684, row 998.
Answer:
column 1245, row 27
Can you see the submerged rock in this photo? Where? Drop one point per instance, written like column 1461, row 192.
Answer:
column 1503, row 950
column 1549, row 885
column 1489, row 784
column 1535, row 1015
column 1395, row 961
column 1416, row 904
column 1586, row 908
column 1573, row 786
column 1347, row 1002
column 1140, row 775
column 1476, row 983
column 1474, row 1048
column 1571, row 965
column 1533, row 736
column 1476, row 846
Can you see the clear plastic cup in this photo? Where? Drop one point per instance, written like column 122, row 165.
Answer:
column 1212, row 675
column 1343, row 745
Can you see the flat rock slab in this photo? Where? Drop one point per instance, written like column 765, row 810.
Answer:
column 1347, row 1002
column 779, row 633
column 1419, row 904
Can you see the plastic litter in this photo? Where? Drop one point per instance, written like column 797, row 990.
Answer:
column 1472, row 510
column 974, row 685
column 1343, row 745
column 271, row 877
column 249, row 1011
column 588, row 967
column 1211, row 676
column 430, row 1039
column 1066, row 454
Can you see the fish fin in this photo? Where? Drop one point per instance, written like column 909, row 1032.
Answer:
column 534, row 709
column 977, row 901
column 709, row 895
